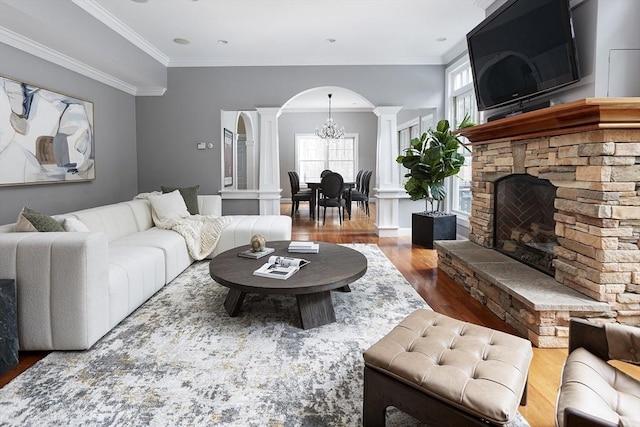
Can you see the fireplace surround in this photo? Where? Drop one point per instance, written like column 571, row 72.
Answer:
column 589, row 150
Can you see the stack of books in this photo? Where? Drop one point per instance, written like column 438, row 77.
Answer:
column 304, row 247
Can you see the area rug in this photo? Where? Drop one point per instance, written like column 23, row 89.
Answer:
column 181, row 360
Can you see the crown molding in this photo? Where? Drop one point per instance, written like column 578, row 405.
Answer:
column 151, row 91
column 104, row 16
column 280, row 62
column 34, row 48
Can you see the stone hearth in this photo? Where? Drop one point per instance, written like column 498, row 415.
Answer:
column 589, row 150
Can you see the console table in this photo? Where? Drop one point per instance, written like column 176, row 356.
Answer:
column 8, row 325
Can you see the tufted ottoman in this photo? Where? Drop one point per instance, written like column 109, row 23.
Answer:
column 446, row 372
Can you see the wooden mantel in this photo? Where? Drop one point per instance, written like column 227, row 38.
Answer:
column 578, row 116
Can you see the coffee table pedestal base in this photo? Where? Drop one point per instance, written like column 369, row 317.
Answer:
column 315, row 309
column 233, row 302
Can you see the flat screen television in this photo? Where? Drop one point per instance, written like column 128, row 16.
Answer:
column 522, row 50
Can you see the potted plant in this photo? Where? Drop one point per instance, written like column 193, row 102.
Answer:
column 430, row 159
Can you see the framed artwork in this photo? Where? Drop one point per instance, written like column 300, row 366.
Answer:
column 45, row 136
column 228, row 158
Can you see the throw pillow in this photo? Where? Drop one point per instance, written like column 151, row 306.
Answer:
column 30, row 220
column 74, row 224
column 167, row 208
column 190, row 196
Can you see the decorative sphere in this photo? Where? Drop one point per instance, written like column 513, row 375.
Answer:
column 258, row 243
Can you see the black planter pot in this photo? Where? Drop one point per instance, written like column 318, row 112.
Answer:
column 425, row 228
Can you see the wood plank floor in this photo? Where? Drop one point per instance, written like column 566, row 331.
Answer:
column 419, row 267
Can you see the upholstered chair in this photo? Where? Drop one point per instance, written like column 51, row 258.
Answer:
column 593, row 392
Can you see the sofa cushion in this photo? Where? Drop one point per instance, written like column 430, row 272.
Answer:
column 135, row 274
column 172, row 244
column 167, row 208
column 189, row 194
column 30, row 220
column 117, row 220
column 74, row 225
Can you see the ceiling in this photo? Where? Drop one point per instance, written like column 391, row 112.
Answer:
column 125, row 42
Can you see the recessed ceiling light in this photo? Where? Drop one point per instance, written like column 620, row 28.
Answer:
column 221, row 41
column 181, row 41
column 441, row 39
column 330, row 40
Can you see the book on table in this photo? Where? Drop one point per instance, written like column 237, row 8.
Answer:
column 280, row 267
column 304, row 247
column 249, row 253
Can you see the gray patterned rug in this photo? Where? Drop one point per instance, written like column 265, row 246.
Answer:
column 181, row 360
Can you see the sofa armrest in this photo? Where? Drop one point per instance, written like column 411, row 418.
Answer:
column 243, row 227
column 62, row 282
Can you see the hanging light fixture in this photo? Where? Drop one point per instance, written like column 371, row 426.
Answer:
column 330, row 131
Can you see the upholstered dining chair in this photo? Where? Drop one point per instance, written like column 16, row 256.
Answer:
column 297, row 195
column 332, row 186
column 592, row 391
column 361, row 195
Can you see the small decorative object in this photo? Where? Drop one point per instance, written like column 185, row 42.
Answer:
column 258, row 243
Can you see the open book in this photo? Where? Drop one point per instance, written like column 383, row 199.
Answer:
column 279, row 267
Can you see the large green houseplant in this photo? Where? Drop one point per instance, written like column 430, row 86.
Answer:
column 430, row 159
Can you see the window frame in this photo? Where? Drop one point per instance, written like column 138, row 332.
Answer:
column 461, row 65
column 296, row 150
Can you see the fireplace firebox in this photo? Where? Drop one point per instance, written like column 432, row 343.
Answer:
column 524, row 224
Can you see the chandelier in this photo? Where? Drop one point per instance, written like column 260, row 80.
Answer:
column 330, row 131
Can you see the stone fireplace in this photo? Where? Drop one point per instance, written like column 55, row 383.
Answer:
column 559, row 190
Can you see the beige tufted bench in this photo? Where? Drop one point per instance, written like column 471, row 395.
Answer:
column 446, row 372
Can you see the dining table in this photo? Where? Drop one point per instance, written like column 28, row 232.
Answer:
column 314, row 185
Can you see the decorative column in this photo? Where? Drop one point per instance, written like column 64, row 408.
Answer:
column 387, row 190
column 269, row 188
column 252, row 177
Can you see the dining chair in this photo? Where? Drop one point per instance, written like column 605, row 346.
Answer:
column 297, row 195
column 362, row 195
column 325, row 172
column 332, row 186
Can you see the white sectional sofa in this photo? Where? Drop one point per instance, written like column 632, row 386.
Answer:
column 73, row 287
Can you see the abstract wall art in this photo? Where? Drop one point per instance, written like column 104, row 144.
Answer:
column 45, row 136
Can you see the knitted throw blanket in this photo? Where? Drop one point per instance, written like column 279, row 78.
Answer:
column 201, row 232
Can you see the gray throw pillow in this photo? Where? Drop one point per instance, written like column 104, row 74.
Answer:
column 189, row 194
column 30, row 220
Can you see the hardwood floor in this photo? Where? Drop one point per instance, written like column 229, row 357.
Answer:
column 419, row 267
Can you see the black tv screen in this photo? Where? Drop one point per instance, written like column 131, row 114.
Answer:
column 523, row 49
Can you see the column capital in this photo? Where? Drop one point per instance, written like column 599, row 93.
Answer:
column 378, row 111
column 269, row 111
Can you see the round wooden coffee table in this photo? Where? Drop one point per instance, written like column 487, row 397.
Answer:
column 334, row 267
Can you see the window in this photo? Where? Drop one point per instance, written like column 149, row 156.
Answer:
column 461, row 101
column 313, row 155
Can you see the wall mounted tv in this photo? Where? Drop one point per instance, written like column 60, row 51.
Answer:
column 522, row 50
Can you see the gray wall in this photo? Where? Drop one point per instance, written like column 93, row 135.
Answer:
column 169, row 126
column 289, row 124
column 115, row 141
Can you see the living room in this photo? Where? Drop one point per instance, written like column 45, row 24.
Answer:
column 145, row 140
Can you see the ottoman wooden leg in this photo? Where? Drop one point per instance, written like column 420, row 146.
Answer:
column 374, row 405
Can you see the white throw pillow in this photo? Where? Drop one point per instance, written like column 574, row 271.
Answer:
column 74, row 224
column 167, row 208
